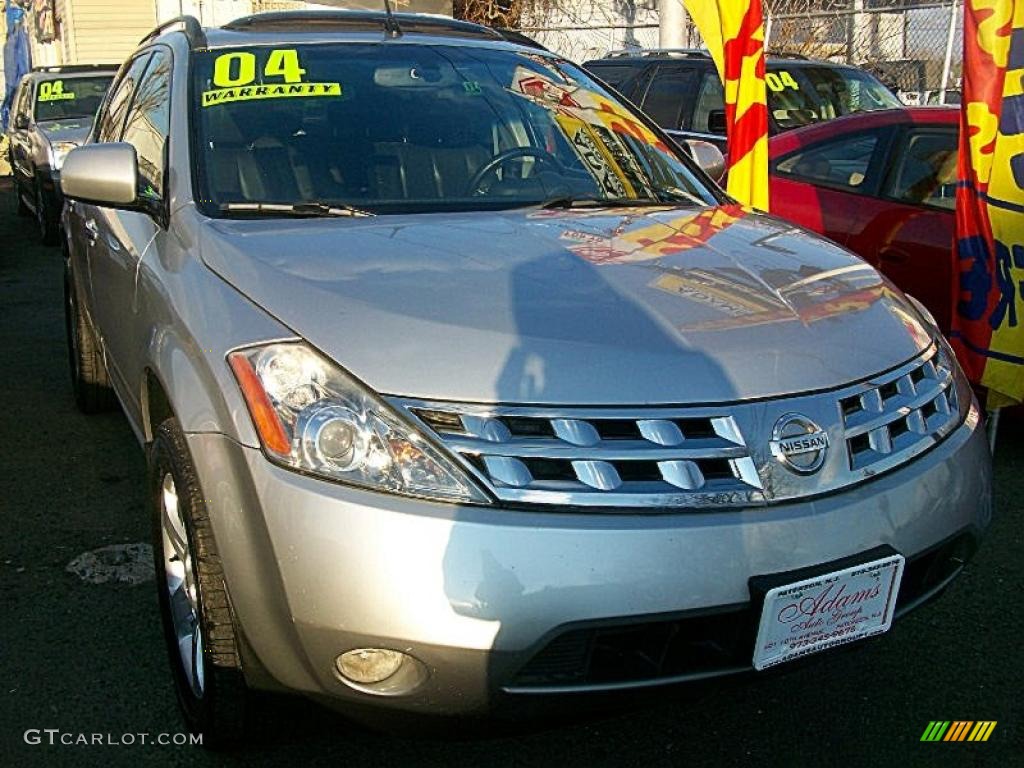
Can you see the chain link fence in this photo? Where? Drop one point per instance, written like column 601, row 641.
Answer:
column 914, row 46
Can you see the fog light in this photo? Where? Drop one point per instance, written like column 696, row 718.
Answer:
column 367, row 666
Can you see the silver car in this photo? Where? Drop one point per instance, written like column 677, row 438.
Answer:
column 51, row 114
column 463, row 390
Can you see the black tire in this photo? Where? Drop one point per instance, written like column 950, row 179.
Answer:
column 223, row 709
column 46, row 220
column 89, row 380
column 23, row 210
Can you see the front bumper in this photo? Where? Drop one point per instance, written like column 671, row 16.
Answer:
column 476, row 594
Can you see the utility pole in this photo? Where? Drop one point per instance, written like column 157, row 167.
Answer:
column 672, row 26
column 947, row 62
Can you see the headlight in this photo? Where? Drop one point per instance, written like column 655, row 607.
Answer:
column 961, row 389
column 60, row 151
column 923, row 311
column 314, row 418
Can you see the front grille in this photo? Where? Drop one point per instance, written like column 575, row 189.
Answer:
column 702, row 457
column 623, row 651
column 893, row 415
column 601, row 457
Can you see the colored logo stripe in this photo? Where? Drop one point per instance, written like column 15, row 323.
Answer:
column 935, row 730
column 958, row 730
column 982, row 730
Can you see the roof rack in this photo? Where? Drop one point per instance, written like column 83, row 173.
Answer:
column 188, row 24
column 67, row 68
column 787, row 55
column 699, row 53
column 314, row 21
column 517, row 37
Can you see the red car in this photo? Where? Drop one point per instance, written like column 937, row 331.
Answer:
column 883, row 184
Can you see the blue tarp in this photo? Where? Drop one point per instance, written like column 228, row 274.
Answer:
column 17, row 56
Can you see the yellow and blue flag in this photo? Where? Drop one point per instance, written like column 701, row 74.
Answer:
column 988, row 321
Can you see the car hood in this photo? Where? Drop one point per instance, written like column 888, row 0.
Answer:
column 623, row 306
column 71, row 129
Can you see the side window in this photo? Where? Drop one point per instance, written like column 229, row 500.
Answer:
column 840, row 163
column 24, row 102
column 148, row 124
column 618, row 76
column 926, row 170
column 711, row 98
column 669, row 91
column 112, row 120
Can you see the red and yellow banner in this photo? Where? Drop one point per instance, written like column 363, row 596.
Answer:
column 988, row 323
column 733, row 31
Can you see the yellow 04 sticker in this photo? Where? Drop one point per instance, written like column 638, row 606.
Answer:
column 235, row 78
column 53, row 90
column 780, row 81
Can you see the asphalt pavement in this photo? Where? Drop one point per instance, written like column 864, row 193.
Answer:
column 87, row 658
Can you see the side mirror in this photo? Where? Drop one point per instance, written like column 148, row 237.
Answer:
column 104, row 174
column 708, row 157
column 21, row 122
column 716, row 121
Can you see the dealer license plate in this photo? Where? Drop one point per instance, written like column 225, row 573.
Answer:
column 829, row 610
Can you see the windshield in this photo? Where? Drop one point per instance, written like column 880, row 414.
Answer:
column 62, row 99
column 412, row 128
column 809, row 94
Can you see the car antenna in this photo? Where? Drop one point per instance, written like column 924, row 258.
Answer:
column 391, row 25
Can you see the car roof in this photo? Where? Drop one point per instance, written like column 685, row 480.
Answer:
column 71, row 72
column 322, row 26
column 700, row 55
column 861, row 121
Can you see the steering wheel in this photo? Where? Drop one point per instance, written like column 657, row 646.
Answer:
column 496, row 162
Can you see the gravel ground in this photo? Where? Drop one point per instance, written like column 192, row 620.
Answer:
column 85, row 656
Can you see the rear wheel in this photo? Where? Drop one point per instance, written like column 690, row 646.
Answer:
column 93, row 393
column 197, row 621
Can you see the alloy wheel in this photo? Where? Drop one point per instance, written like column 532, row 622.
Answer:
column 179, row 568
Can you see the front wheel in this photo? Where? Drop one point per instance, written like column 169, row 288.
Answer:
column 197, row 622
column 46, row 220
column 89, row 380
column 23, row 210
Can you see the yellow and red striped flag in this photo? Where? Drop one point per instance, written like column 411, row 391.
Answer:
column 988, row 324
column 733, row 31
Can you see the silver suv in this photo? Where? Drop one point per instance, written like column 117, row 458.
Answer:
column 52, row 113
column 462, row 389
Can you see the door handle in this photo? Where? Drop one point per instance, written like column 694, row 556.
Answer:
column 92, row 231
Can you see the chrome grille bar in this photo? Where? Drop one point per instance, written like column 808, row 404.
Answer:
column 704, row 457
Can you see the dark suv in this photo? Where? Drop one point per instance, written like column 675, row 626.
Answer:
column 52, row 113
column 683, row 93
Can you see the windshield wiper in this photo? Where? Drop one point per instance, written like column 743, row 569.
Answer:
column 297, row 209
column 597, row 202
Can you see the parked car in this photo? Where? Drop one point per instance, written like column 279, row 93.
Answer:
column 883, row 185
column 682, row 91
column 51, row 115
column 951, row 97
column 464, row 392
